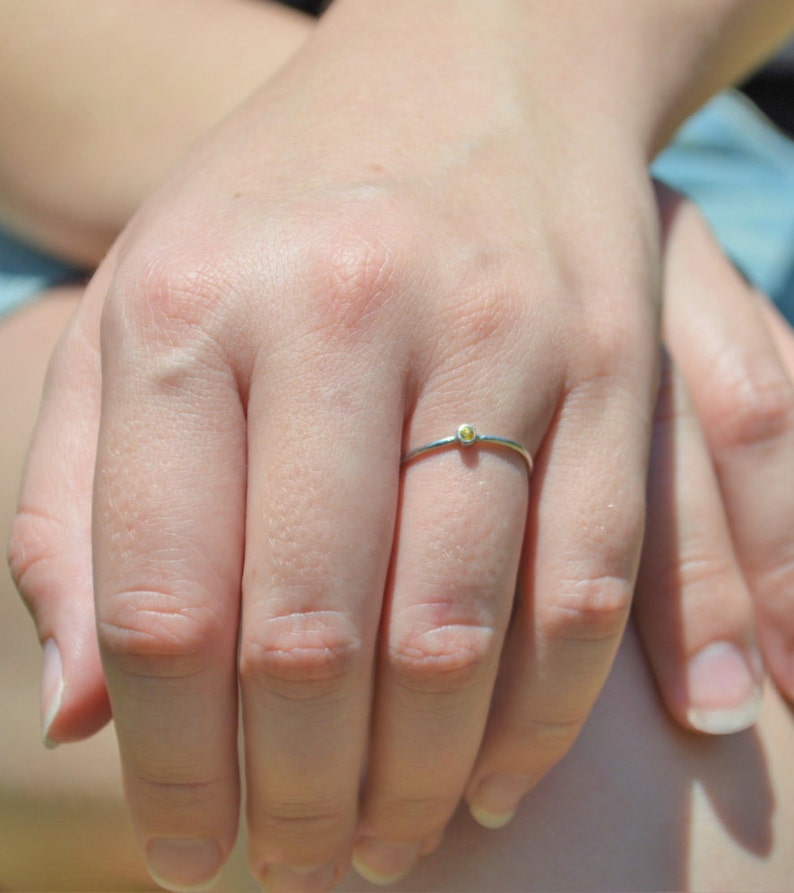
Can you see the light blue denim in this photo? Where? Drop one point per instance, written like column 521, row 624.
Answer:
column 740, row 170
column 728, row 158
column 25, row 271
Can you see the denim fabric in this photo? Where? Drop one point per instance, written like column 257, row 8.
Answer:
column 24, row 272
column 740, row 171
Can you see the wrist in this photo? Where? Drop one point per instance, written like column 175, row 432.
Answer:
column 638, row 68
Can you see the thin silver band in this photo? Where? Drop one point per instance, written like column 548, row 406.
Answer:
column 467, row 436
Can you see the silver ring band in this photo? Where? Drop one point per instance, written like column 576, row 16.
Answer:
column 467, row 436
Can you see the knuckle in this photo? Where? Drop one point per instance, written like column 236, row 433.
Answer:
column 443, row 659
column 152, row 633
column 355, row 268
column 750, row 401
column 301, row 655
column 704, row 570
column 594, row 595
column 36, row 559
column 775, row 582
column 171, row 306
column 28, row 546
column 535, row 744
column 594, row 609
column 398, row 814
column 166, row 792
column 318, row 825
column 483, row 317
column 166, row 295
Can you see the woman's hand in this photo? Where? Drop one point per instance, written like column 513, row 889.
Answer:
column 381, row 245
column 353, row 265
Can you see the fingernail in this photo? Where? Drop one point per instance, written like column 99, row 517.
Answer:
column 381, row 863
column 299, row 878
column 51, row 689
column 496, row 799
column 724, row 688
column 184, row 864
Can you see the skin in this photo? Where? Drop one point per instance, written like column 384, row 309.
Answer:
column 728, row 401
column 673, row 796
column 306, row 655
column 131, row 120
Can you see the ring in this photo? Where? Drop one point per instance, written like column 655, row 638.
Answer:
column 466, row 436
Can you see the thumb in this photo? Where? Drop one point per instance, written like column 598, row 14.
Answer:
column 50, row 546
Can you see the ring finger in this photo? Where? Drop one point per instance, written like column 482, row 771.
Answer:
column 448, row 604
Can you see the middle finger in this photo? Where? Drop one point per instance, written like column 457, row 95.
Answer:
column 323, row 468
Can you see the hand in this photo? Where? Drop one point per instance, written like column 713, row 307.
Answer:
column 719, row 554
column 679, row 611
column 280, row 323
column 592, row 299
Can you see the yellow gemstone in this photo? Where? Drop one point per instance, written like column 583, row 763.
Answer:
column 466, row 434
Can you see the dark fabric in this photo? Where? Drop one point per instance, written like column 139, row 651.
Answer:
column 772, row 89
column 313, row 7
column 774, row 95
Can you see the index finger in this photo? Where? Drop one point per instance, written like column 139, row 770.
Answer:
column 168, row 540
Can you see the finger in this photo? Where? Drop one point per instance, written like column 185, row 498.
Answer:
column 168, row 540
column 50, row 547
column 692, row 607
column 578, row 571
column 453, row 579
column 323, row 482
column 745, row 401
